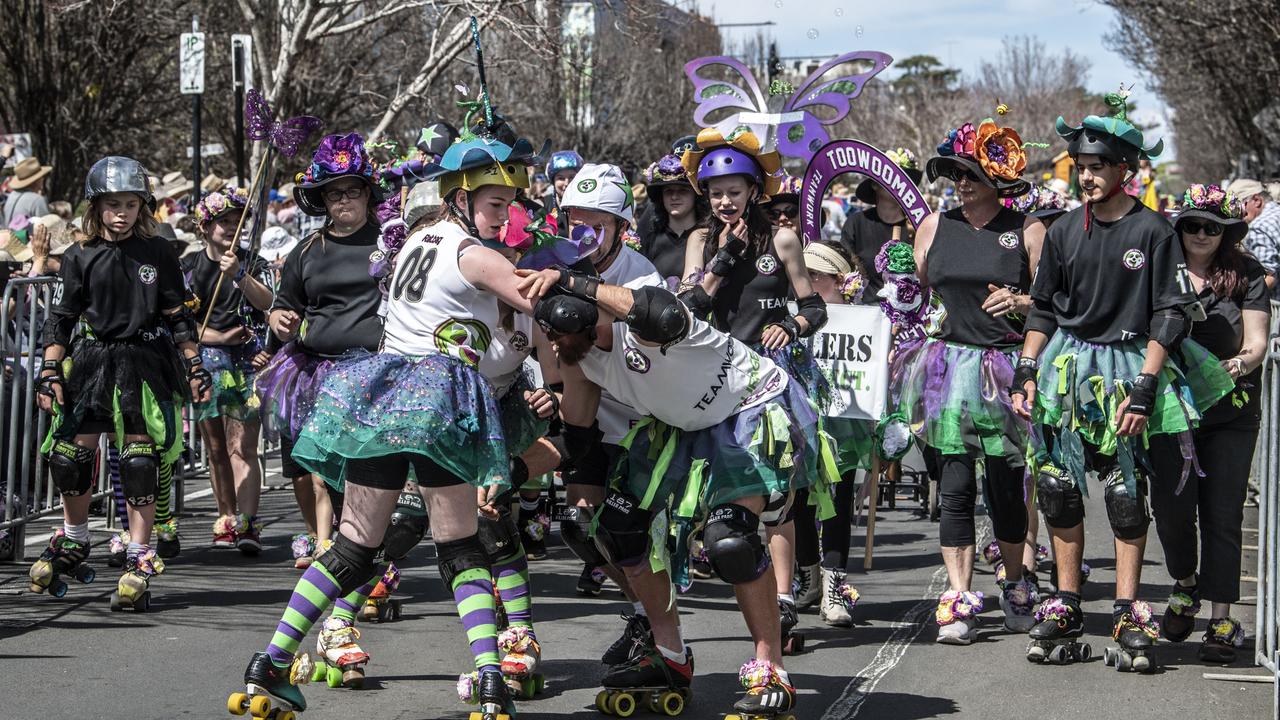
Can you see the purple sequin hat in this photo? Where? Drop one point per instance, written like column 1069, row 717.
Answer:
column 337, row 157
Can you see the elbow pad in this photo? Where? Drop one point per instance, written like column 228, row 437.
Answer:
column 1042, row 319
column 182, row 326
column 698, row 300
column 1169, row 327
column 814, row 311
column 657, row 316
column 578, row 441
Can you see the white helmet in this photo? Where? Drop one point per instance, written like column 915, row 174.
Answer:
column 601, row 187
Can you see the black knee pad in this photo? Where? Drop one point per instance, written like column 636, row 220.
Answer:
column 1126, row 509
column 1058, row 497
column 71, row 468
column 622, row 533
column 139, row 473
column 778, row 509
column 499, row 537
column 733, row 544
column 458, row 556
column 575, row 530
column 349, row 563
column 408, row 526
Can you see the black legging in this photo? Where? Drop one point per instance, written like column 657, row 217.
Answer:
column 835, row 531
column 1003, row 488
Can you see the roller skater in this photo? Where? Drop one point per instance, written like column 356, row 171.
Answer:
column 132, row 592
column 769, row 693
column 488, row 689
column 1136, row 632
column 339, row 659
column 264, row 681
column 650, row 680
column 64, row 556
column 1055, row 636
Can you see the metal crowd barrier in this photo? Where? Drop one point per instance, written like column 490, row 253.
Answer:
column 1266, row 471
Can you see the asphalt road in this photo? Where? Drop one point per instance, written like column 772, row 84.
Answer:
column 74, row 658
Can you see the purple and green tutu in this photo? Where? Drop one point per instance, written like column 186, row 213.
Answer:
column 854, row 442
column 520, row 425
column 435, row 406
column 288, row 386
column 232, row 370
column 797, row 361
column 956, row 398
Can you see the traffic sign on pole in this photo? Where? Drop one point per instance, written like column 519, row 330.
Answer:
column 191, row 63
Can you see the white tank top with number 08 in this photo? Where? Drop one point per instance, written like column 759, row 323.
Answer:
column 431, row 308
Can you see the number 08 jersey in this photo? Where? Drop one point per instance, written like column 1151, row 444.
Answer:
column 431, row 308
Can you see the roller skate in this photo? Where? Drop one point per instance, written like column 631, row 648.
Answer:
column 168, row 544
column 64, row 556
column 380, row 606
column 792, row 642
column 521, row 654
column 224, row 531
column 838, row 599
column 264, row 680
column 807, row 586
column 1018, row 600
column 652, row 681
column 118, row 548
column 1179, row 619
column 591, row 581
column 1055, row 637
column 304, row 547
column 340, row 661
column 132, row 592
column 535, row 524
column 248, row 535
column 636, row 640
column 1136, row 631
column 957, row 616
column 768, row 697
column 1221, row 640
column 489, row 691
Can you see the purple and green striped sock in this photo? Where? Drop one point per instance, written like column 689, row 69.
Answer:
column 473, row 594
column 113, row 467
column 345, row 608
column 315, row 590
column 512, row 577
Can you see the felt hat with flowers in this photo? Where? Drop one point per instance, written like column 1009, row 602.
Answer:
column 995, row 155
column 1212, row 204
column 715, row 155
column 666, row 171
column 337, row 157
column 1041, row 201
column 216, row 204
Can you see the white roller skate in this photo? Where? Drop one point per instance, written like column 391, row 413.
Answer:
column 957, row 616
column 521, row 654
column 341, row 662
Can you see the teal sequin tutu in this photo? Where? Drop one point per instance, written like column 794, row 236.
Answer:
column 520, row 425
column 232, row 371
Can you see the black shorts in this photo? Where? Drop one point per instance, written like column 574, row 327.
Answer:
column 596, row 468
column 288, row 466
column 389, row 472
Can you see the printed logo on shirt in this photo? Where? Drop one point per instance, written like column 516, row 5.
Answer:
column 1009, row 240
column 147, row 274
column 1134, row 259
column 767, row 264
column 636, row 361
column 519, row 341
column 587, row 185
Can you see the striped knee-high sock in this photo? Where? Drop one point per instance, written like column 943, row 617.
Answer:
column 345, row 608
column 164, row 512
column 315, row 590
column 512, row 578
column 113, row 467
column 473, row 594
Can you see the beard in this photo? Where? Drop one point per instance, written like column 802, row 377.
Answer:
column 570, row 349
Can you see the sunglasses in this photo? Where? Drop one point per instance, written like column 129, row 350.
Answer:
column 956, row 174
column 1210, row 228
column 790, row 212
column 350, row 193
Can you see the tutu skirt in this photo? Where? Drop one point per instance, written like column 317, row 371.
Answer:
column 287, row 387
column 520, row 425
column 854, row 442
column 796, row 360
column 434, row 406
column 956, row 398
column 232, row 371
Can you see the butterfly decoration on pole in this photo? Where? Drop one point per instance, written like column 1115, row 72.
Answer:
column 794, row 119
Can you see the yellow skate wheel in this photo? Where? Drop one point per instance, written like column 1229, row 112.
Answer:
column 624, row 705
column 672, row 703
column 260, row 706
column 238, row 703
column 286, row 715
column 602, row 701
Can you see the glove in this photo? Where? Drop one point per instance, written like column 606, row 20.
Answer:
column 790, row 327
column 727, row 256
column 196, row 371
column 1142, row 397
column 1025, row 371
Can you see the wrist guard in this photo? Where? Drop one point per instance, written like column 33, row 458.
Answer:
column 578, row 284
column 44, row 386
column 1024, row 372
column 727, row 256
column 555, row 401
column 1142, row 396
column 790, row 327
column 196, row 372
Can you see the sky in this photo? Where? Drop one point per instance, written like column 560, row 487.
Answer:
column 959, row 34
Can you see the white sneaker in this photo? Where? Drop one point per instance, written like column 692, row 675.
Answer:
column 837, row 599
column 957, row 617
column 808, row 586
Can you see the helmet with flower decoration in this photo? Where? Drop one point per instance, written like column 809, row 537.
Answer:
column 666, row 171
column 229, row 199
column 740, row 153
column 1212, row 204
column 337, row 157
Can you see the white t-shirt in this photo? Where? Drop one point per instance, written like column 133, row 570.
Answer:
column 630, row 270
column 505, row 360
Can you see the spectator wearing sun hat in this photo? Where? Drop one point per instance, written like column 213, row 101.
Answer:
column 26, row 190
column 1263, row 215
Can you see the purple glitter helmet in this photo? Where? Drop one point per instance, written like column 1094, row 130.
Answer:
column 725, row 161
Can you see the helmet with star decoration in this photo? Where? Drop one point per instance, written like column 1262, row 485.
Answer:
column 601, row 187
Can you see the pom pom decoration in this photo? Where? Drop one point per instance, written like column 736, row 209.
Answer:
column 893, row 436
column 958, row 605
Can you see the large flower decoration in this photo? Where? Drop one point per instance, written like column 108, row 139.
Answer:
column 904, row 159
column 999, row 151
column 962, row 141
column 342, row 155
column 1214, row 199
column 218, row 203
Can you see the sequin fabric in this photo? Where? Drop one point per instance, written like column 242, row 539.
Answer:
column 288, row 385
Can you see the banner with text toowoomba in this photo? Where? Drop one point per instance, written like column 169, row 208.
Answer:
column 854, row 156
column 853, row 351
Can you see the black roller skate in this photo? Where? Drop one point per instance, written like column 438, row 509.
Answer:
column 651, row 681
column 1136, row 631
column 265, row 680
column 1179, row 619
column 1221, row 640
column 64, row 556
column 132, row 592
column 489, row 691
column 768, row 697
column 168, row 544
column 792, row 642
column 1055, row 637
column 591, row 581
column 636, row 640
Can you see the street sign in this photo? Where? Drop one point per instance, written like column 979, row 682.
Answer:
column 209, row 150
column 191, row 63
column 242, row 61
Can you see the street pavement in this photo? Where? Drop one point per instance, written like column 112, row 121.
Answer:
column 74, row 658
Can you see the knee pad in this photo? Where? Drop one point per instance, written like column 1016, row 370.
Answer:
column 350, row 564
column 1126, row 509
column 1058, row 497
column 778, row 509
column 408, row 526
column 458, row 556
column 733, row 544
column 575, row 530
column 71, row 468
column 622, row 534
column 139, row 473
column 499, row 537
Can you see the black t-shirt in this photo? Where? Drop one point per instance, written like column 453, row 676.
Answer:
column 1222, row 333
column 119, row 288
column 754, row 295
column 1103, row 286
column 326, row 280
column 963, row 260
column 231, row 309
column 863, row 234
column 664, row 249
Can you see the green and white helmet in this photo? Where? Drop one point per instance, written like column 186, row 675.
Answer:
column 601, row 187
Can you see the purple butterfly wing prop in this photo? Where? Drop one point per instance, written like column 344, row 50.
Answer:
column 714, row 96
column 287, row 136
column 801, row 138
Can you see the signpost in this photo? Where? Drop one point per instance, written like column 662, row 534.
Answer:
column 241, row 80
column 191, row 82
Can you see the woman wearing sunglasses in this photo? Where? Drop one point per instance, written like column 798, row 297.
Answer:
column 1231, row 286
column 978, row 257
